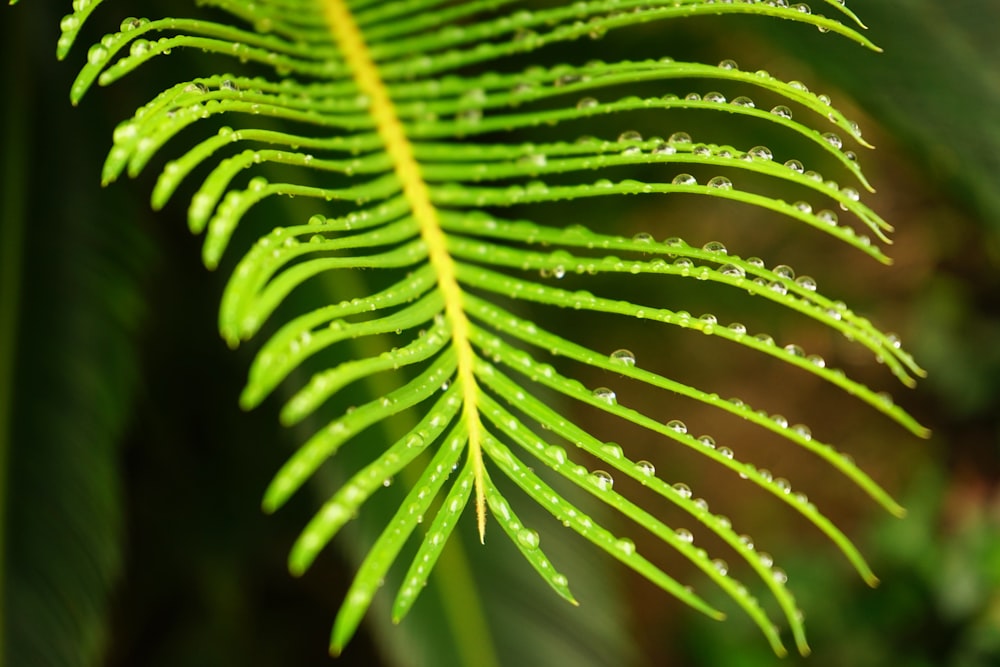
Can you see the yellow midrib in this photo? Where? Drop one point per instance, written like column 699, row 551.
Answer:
column 390, row 129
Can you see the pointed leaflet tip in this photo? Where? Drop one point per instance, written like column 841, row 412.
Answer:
column 481, row 511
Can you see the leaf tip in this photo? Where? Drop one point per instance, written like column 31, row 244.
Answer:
column 249, row 399
column 274, row 498
column 340, row 636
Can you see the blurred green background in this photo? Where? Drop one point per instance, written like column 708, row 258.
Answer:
column 131, row 480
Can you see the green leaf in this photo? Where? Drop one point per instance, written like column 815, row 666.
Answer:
column 71, row 268
column 940, row 101
column 412, row 132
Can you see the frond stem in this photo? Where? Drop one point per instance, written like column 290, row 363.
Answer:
column 349, row 38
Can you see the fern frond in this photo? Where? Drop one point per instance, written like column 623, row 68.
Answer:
column 405, row 123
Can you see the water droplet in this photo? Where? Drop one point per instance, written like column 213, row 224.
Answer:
column 567, row 79
column 828, row 216
column 746, row 541
column 626, row 546
column 469, row 115
column 833, row 139
column 720, row 183
column 721, row 566
column 807, row 283
column 684, row 179
column 779, row 575
column 782, row 111
column 693, row 97
column 139, row 47
column 645, row 467
column 701, row 504
column 851, row 156
column 556, row 454
column 715, row 97
column 387, row 482
column 96, row 54
column 528, row 538
column 726, row 452
column 701, row 150
column 743, row 101
column 623, row 357
column 795, row 166
column 682, row 489
column 677, row 425
column 784, row 271
column 760, row 153
column 707, row 441
column 680, row 138
column 131, row 23
column 851, row 194
column 612, row 450
column 795, row 350
column 728, row 64
column 764, row 338
column 684, row 535
column 803, row 207
column 738, row 328
column 732, row 271
column 765, row 558
column 586, row 103
column 783, row 485
column 533, row 159
column 630, row 135
column 606, row 395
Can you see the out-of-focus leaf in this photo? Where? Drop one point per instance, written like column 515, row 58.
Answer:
column 70, row 333
column 937, row 86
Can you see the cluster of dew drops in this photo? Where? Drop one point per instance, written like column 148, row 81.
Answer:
column 604, row 481
column 757, row 153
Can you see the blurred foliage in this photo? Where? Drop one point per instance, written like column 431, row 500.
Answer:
column 114, row 418
column 938, row 605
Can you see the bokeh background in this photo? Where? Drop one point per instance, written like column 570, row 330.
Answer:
column 131, row 480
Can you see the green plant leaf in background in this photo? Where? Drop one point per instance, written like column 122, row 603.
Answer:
column 403, row 124
column 917, row 90
column 71, row 268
